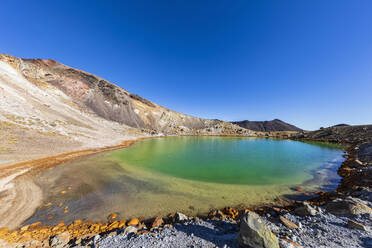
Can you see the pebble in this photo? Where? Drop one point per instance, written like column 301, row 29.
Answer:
column 357, row 225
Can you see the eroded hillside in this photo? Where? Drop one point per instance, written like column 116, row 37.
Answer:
column 48, row 108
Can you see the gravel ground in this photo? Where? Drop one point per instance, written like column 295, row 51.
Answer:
column 326, row 230
column 188, row 234
column 322, row 230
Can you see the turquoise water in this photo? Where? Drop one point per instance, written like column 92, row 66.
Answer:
column 230, row 160
column 188, row 174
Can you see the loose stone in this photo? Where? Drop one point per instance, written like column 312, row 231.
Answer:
column 305, row 210
column 133, row 222
column 288, row 223
column 348, row 206
column 129, row 230
column 157, row 222
column 255, row 234
column 180, row 217
column 357, row 225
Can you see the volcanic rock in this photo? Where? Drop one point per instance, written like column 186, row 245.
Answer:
column 305, row 210
column 255, row 234
column 357, row 225
column 129, row 230
column 288, row 223
column 348, row 206
column 133, row 222
column 286, row 243
column 267, row 126
column 157, row 222
column 60, row 240
column 180, row 217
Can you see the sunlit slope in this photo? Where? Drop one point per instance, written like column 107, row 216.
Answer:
column 56, row 104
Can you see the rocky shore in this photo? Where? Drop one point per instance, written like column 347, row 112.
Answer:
column 345, row 222
column 49, row 109
column 341, row 218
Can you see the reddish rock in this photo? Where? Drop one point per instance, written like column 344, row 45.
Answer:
column 157, row 222
column 94, row 228
column 112, row 217
column 27, row 234
column 3, row 231
column 133, row 222
column 288, row 223
column 299, row 189
column 35, row 225
column 114, row 225
column 287, row 241
column 230, row 212
column 25, row 228
column 216, row 214
column 122, row 223
column 78, row 222
column 357, row 225
column 143, row 232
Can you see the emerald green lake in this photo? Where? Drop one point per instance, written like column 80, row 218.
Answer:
column 188, row 174
column 230, row 160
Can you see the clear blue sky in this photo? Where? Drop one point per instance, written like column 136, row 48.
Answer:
column 305, row 62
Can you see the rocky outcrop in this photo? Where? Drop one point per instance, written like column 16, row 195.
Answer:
column 339, row 134
column 364, row 153
column 255, row 234
column 267, row 126
column 305, row 209
column 348, row 206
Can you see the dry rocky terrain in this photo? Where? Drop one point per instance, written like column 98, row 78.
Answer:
column 50, row 113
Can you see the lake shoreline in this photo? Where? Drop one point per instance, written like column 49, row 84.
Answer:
column 9, row 175
column 321, row 199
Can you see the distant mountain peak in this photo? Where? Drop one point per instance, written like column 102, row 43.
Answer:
column 267, row 126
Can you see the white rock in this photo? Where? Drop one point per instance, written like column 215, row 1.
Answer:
column 130, row 229
column 180, row 217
